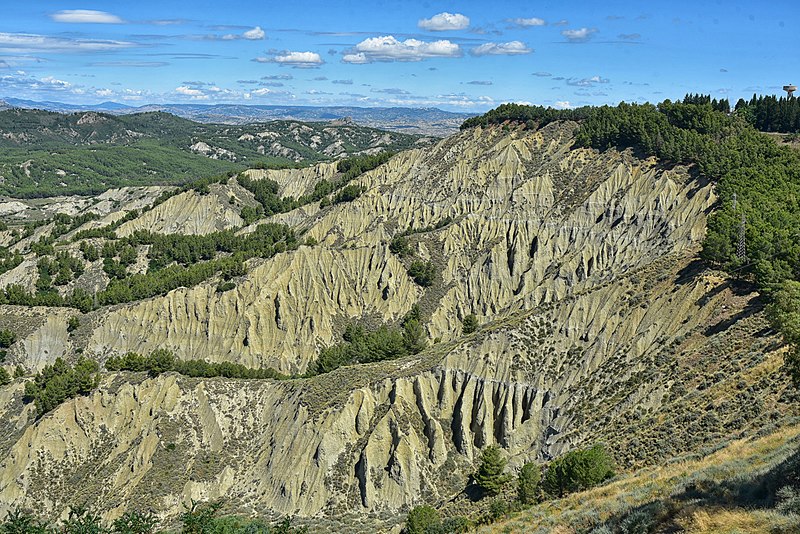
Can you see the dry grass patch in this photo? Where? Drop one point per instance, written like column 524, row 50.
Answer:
column 722, row 521
column 739, row 461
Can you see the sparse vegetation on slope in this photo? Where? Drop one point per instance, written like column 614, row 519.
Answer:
column 199, row 518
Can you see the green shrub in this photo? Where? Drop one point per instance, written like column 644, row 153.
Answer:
column 58, row 382
column 5, row 378
column 348, row 194
column 455, row 525
column 578, row 470
column 225, row 286
column 82, row 521
column 497, row 509
column 22, row 522
column 421, row 518
column 73, row 323
column 469, row 324
column 784, row 314
column 7, row 338
column 423, row 272
column 363, row 346
column 400, row 246
column 163, row 361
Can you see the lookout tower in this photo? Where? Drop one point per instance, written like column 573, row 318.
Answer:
column 789, row 89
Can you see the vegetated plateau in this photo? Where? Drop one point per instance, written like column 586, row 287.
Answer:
column 586, row 319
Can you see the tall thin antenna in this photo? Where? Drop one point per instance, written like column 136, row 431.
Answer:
column 741, row 249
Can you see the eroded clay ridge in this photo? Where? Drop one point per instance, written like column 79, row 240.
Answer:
column 532, row 221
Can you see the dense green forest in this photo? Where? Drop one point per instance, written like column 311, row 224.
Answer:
column 32, row 173
column 771, row 114
column 265, row 190
column 47, row 154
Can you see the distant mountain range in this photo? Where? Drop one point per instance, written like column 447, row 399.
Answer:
column 425, row 121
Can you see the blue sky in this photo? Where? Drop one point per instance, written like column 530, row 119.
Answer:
column 457, row 55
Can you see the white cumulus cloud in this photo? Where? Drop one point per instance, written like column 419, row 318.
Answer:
column 511, row 48
column 298, row 60
column 256, row 34
column 356, row 59
column 53, row 82
column 388, row 48
column 196, row 94
column 104, row 92
column 444, row 22
column 579, row 36
column 563, row 104
column 85, row 16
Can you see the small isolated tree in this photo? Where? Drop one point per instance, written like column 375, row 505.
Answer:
column 7, row 338
column 413, row 331
column 423, row 272
column 421, row 518
column 5, row 378
column 469, row 324
column 528, row 483
column 73, row 323
column 578, row 470
column 400, row 246
column 490, row 475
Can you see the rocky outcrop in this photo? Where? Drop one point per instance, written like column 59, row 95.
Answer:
column 277, row 315
column 295, row 182
column 524, row 219
column 193, row 213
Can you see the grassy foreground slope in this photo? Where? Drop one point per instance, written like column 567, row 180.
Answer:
column 748, row 486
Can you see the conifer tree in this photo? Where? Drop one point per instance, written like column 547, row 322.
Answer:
column 490, row 475
column 528, row 483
